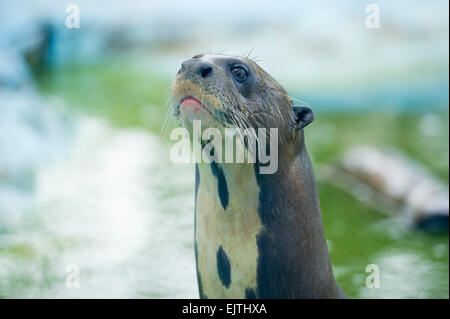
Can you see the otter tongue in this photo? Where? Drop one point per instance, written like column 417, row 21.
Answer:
column 190, row 104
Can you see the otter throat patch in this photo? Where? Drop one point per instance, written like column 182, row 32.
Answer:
column 226, row 231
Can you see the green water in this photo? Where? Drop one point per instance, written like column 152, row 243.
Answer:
column 412, row 264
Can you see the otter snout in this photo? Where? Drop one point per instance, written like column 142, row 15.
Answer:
column 197, row 89
column 196, row 68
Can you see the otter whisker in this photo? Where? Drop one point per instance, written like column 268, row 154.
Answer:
column 169, row 106
column 245, row 124
column 288, row 96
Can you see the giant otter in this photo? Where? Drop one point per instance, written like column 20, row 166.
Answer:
column 256, row 235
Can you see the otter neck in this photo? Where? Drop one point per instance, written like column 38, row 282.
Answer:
column 294, row 260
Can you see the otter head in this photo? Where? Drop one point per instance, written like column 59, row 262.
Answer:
column 230, row 91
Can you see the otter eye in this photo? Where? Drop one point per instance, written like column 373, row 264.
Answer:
column 239, row 73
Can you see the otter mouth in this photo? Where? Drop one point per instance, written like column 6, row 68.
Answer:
column 190, row 103
column 193, row 105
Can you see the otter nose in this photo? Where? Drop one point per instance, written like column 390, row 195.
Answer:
column 197, row 67
column 205, row 70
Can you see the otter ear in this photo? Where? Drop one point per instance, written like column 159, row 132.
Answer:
column 303, row 115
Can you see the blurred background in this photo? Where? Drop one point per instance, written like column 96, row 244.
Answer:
column 85, row 175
